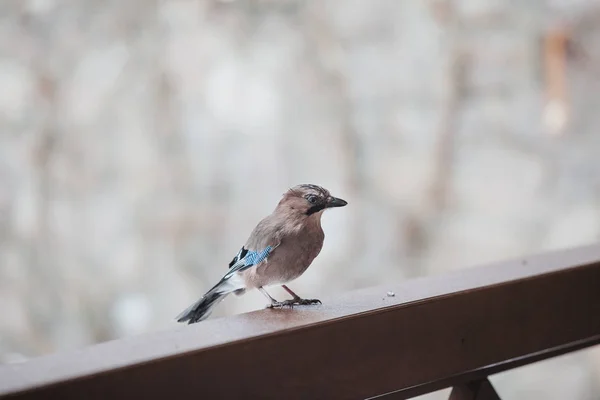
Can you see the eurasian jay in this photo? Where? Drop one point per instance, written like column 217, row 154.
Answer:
column 280, row 248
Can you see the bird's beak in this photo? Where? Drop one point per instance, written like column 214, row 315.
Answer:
column 335, row 202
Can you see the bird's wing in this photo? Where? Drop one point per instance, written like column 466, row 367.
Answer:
column 239, row 256
column 247, row 258
column 263, row 240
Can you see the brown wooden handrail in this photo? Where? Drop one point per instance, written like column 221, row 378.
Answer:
column 452, row 329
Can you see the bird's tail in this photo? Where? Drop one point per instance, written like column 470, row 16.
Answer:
column 202, row 308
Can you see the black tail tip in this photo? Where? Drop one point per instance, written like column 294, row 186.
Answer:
column 201, row 309
column 190, row 320
column 192, row 317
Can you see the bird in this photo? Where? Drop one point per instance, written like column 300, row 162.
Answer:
column 278, row 250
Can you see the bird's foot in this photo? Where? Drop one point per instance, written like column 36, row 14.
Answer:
column 294, row 302
column 306, row 302
column 280, row 304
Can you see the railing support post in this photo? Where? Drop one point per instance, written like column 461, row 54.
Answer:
column 475, row 390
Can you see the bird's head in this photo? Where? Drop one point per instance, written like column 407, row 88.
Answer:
column 308, row 199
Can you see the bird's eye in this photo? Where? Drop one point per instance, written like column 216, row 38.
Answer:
column 311, row 199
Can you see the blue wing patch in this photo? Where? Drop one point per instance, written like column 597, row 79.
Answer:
column 246, row 259
column 256, row 257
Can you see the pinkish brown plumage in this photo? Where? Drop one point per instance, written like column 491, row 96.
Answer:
column 279, row 249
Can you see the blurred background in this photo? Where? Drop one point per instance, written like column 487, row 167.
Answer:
column 141, row 141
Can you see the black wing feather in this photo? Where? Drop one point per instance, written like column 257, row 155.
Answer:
column 241, row 254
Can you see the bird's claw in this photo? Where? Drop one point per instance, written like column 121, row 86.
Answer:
column 294, row 302
column 306, row 302
column 279, row 304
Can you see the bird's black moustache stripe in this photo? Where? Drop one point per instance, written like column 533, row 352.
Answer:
column 315, row 208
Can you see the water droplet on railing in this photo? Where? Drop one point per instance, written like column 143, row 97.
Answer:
column 391, row 294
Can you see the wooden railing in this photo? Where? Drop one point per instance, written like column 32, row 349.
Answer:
column 450, row 330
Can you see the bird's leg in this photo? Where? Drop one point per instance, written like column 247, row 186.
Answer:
column 291, row 292
column 299, row 300
column 274, row 303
